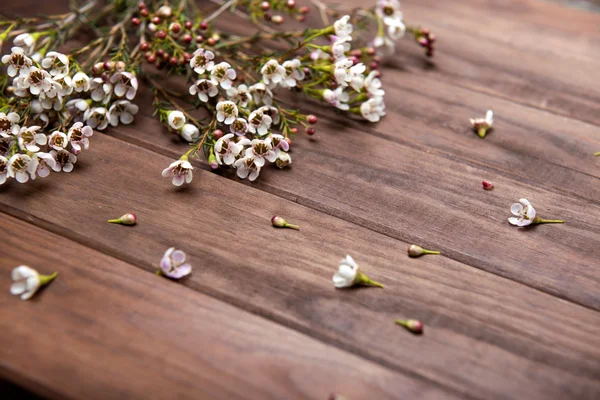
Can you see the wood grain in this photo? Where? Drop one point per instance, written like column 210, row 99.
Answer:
column 106, row 329
column 487, row 337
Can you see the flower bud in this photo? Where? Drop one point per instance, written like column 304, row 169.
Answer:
column 217, row 134
column 125, row 219
column 279, row 222
column 135, row 21
column 417, row 251
column 164, row 11
column 212, row 161
column 310, row 131
column 156, row 20
column 412, row 325
column 312, row 119
column 188, row 25
column 120, row 66
column 277, row 19
column 161, row 34
column 203, row 26
column 487, row 185
column 265, row 6
column 175, row 27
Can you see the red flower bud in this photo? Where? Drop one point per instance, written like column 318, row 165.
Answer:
column 487, row 185
column 412, row 325
column 144, row 12
column 161, row 34
column 265, row 5
column 188, row 25
column 312, row 119
column 135, row 21
column 204, row 26
column 156, row 20
column 310, row 131
column 144, row 46
column 175, row 28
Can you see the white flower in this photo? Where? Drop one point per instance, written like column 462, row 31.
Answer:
column 202, row 60
column 6, row 144
column 261, row 94
column 45, row 162
column 388, row 10
column 226, row 150
column 337, row 98
column 318, row 54
column 78, row 136
column 343, row 28
column 339, row 48
column 26, row 41
column 283, row 160
column 260, row 150
column 271, row 112
column 126, row 84
column 373, row 109
column 524, row 211
column 189, row 132
column 373, row 85
column 396, row 29
column 26, row 282
column 384, row 45
column 482, row 125
column 204, row 88
column 173, row 264
column 122, row 110
column 176, row 119
column 259, row 122
column 279, row 143
column 240, row 95
column 272, row 72
column 77, row 108
column 28, row 139
column 101, row 90
column 52, row 103
column 64, row 87
column 349, row 274
column 9, row 124
column 346, row 73
column 41, row 119
column 56, row 63
column 81, row 82
column 181, row 171
column 3, row 169
column 293, row 73
column 346, row 274
column 227, row 112
column 38, row 81
column 21, row 167
column 246, row 167
column 239, row 127
column 17, row 62
column 223, row 74
column 97, row 118
column 64, row 160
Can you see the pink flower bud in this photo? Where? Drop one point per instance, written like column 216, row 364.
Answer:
column 417, row 251
column 279, row 222
column 487, row 185
column 125, row 219
column 412, row 325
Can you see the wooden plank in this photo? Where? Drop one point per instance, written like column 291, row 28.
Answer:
column 486, row 337
column 106, row 329
column 495, row 48
column 416, row 195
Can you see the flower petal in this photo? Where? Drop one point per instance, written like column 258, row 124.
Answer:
column 516, row 209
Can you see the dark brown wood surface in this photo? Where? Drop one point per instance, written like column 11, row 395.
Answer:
column 508, row 312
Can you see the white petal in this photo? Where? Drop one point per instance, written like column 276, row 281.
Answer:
column 516, row 209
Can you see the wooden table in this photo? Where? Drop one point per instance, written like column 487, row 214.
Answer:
column 509, row 313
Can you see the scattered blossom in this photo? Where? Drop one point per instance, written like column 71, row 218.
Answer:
column 173, row 264
column 349, row 274
column 483, row 125
column 373, row 109
column 181, row 170
column 524, row 211
column 27, row 281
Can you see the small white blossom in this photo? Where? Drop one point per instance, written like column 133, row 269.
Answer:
column 101, row 90
column 45, row 162
column 373, row 109
column 482, row 125
column 97, row 118
column 239, row 127
column 373, row 85
column 52, row 103
column 283, row 160
column 240, row 95
column 9, row 124
column 65, row 86
column 343, row 28
column 261, row 94
column 337, row 98
column 3, row 169
column 122, row 110
column 176, row 119
column 26, row 282
column 293, row 73
column 388, row 10
column 247, row 168
column 396, row 29
column 78, row 136
column 226, row 150
column 81, row 82
column 259, row 122
column 279, row 143
column 17, row 61
column 272, row 72
column 272, row 112
column 125, row 84
column 6, row 144
column 189, row 132
column 26, row 41
column 319, row 54
column 346, row 73
column 64, row 160
column 38, row 81
column 28, row 139
column 339, row 49
column 56, row 63
column 260, row 150
column 204, row 89
column 223, row 75
column 524, row 211
column 202, row 61
column 58, row 141
column 384, row 45
column 21, row 167
column 227, row 112
column 181, row 170
column 173, row 264
column 77, row 108
column 349, row 274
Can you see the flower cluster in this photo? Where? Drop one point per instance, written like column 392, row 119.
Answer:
column 48, row 113
column 390, row 23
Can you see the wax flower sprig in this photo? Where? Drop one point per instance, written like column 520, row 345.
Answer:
column 526, row 215
column 349, row 274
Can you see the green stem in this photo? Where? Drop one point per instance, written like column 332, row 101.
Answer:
column 46, row 279
column 362, row 279
column 430, row 252
column 482, row 131
column 292, row 226
column 548, row 221
column 114, row 221
column 597, row 154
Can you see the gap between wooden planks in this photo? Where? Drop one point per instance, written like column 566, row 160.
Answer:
column 415, row 196
column 486, row 336
column 106, row 329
